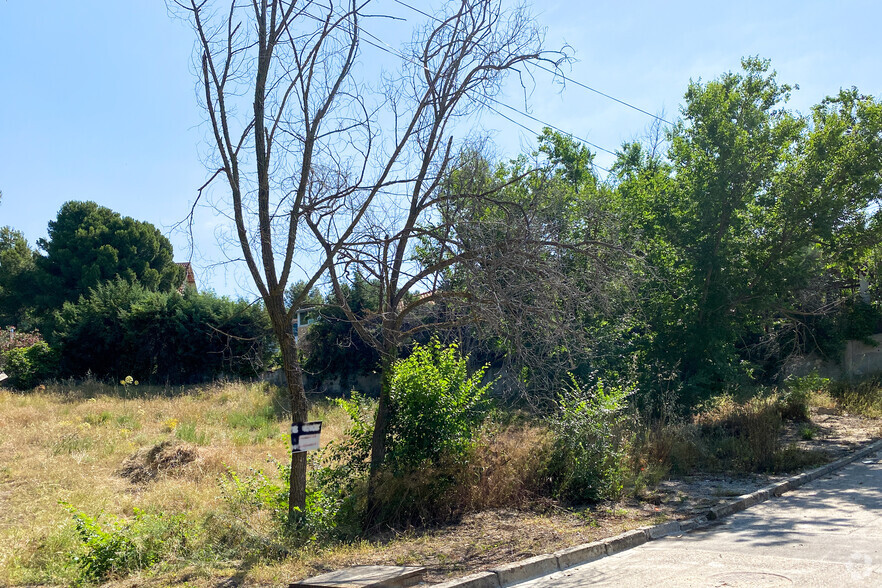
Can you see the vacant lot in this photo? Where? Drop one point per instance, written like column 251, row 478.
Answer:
column 110, row 452
column 176, row 467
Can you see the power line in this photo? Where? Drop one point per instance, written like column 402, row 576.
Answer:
column 541, row 122
column 528, row 129
column 388, row 49
column 559, row 74
column 392, row 51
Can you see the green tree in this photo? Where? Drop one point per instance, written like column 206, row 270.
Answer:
column 750, row 211
column 17, row 263
column 333, row 345
column 89, row 244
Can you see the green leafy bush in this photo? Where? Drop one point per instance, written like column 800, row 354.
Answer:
column 161, row 337
column 29, row 366
column 795, row 401
column 590, row 441
column 436, row 407
column 436, row 412
column 346, row 460
column 122, row 547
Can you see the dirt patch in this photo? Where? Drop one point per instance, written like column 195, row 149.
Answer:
column 164, row 459
column 829, row 435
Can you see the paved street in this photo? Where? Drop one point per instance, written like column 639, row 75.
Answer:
column 827, row 533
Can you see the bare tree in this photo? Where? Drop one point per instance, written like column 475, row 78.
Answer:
column 485, row 251
column 301, row 142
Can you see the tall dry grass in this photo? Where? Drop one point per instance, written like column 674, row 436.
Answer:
column 726, row 436
column 66, row 443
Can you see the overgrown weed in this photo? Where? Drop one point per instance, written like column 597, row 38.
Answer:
column 729, row 435
column 859, row 397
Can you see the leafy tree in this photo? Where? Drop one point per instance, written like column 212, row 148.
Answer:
column 17, row 263
column 745, row 218
column 312, row 298
column 89, row 244
column 333, row 346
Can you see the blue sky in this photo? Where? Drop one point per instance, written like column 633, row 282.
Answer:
column 97, row 99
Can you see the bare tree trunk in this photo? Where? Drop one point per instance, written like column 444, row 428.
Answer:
column 299, row 407
column 319, row 152
column 381, row 431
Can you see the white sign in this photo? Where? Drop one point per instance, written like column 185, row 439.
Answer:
column 305, row 436
column 3, row 376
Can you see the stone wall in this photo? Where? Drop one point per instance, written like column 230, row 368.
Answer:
column 857, row 361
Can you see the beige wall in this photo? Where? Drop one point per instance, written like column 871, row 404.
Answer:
column 858, row 360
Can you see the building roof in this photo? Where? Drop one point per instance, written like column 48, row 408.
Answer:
column 189, row 277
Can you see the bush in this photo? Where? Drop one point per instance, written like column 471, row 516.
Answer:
column 161, row 337
column 862, row 397
column 590, row 441
column 29, row 366
column 794, row 403
column 122, row 547
column 436, row 412
column 12, row 339
column 436, row 407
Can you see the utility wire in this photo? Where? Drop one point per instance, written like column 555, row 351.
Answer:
column 557, row 73
column 389, row 49
column 392, row 51
column 541, row 122
column 529, row 130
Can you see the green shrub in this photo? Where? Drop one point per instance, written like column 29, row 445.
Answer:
column 436, row 412
column 29, row 366
column 121, row 329
column 590, row 441
column 794, row 403
column 122, row 547
column 436, row 407
column 346, row 460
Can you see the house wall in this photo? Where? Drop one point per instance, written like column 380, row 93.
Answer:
column 858, row 360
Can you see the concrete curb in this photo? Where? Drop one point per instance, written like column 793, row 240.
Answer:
column 549, row 563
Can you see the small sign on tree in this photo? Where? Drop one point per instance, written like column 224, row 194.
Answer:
column 305, row 436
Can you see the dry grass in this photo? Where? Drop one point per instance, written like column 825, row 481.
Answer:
column 108, row 451
column 69, row 444
column 861, row 397
column 730, row 436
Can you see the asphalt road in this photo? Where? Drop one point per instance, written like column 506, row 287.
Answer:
column 827, row 533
